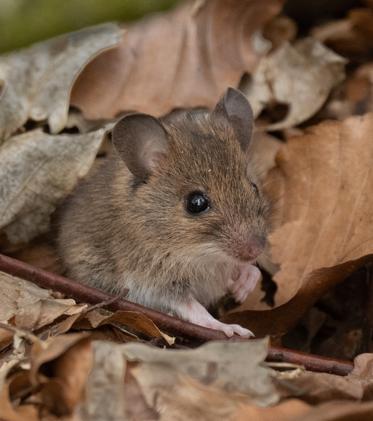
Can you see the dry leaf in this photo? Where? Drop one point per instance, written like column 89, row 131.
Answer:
column 228, row 367
column 132, row 320
column 323, row 179
column 10, row 413
column 184, row 58
column 323, row 215
column 35, row 83
column 262, row 152
column 62, row 391
column 234, row 367
column 285, row 411
column 300, row 77
column 29, row 307
column 323, row 387
column 339, row 411
column 355, row 96
column 351, row 37
column 38, row 170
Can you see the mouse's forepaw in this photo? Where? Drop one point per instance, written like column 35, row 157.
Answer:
column 245, row 282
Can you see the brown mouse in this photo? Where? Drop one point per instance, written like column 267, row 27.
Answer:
column 175, row 215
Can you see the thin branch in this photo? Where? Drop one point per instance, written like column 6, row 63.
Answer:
column 173, row 325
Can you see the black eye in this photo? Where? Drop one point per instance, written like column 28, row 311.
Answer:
column 197, row 202
column 255, row 187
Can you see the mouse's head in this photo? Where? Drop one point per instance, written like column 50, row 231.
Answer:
column 192, row 190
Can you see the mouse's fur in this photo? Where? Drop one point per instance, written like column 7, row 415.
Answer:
column 118, row 232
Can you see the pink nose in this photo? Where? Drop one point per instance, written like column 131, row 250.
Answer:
column 251, row 249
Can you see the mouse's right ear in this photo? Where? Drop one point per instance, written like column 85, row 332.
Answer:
column 141, row 141
column 234, row 109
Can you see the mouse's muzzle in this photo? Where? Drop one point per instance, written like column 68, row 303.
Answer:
column 248, row 249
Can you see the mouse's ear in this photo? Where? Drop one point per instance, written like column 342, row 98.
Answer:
column 141, row 141
column 235, row 109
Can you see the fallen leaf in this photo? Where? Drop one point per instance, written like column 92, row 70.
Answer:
column 159, row 375
column 285, row 411
column 321, row 183
column 321, row 387
column 339, row 411
column 9, row 413
column 26, row 306
column 132, row 320
column 184, row 58
column 37, row 171
column 262, row 153
column 64, row 388
column 300, row 76
column 279, row 30
column 221, row 364
column 351, row 37
column 355, row 96
column 35, row 83
column 40, row 254
column 324, row 213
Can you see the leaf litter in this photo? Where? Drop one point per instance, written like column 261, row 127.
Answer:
column 65, row 360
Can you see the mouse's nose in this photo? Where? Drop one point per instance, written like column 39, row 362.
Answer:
column 251, row 248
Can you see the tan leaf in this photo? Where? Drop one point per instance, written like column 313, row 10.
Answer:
column 221, row 364
column 184, row 58
column 62, row 392
column 137, row 322
column 160, row 375
column 300, row 76
column 352, row 37
column 29, row 307
column 38, row 170
column 35, row 83
column 322, row 188
column 323, row 387
column 325, row 215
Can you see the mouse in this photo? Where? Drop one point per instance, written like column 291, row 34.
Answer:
column 175, row 214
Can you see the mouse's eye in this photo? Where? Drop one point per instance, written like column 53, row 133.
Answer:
column 197, row 202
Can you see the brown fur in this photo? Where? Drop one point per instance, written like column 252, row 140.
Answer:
column 118, row 233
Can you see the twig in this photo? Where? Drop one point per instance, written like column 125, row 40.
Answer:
column 310, row 362
column 165, row 322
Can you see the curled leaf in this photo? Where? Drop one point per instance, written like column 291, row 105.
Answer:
column 184, row 58
column 300, row 76
column 35, row 83
column 38, row 170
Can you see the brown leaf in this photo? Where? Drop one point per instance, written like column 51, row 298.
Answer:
column 351, row 37
column 35, row 83
column 322, row 183
column 160, row 375
column 62, row 391
column 323, row 387
column 10, row 413
column 26, row 306
column 324, row 213
column 185, row 58
column 137, row 322
column 339, row 411
column 300, row 76
column 37, row 171
column 285, row 411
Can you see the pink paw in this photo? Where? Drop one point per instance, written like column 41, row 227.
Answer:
column 245, row 282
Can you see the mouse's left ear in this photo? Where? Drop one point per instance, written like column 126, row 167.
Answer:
column 235, row 109
column 141, row 142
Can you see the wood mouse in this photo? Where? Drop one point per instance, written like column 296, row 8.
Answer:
column 175, row 214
